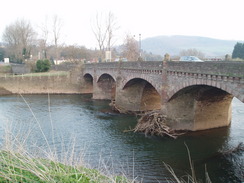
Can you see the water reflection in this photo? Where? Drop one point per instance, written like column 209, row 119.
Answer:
column 100, row 134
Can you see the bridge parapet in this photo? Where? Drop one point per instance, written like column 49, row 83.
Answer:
column 153, row 65
column 230, row 69
column 228, row 76
column 214, row 77
column 187, row 92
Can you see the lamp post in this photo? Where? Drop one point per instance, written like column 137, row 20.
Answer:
column 140, row 45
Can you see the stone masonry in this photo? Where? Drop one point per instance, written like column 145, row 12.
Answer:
column 187, row 92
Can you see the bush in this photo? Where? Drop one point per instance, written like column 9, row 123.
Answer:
column 43, row 65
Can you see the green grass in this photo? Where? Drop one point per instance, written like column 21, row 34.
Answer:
column 22, row 162
column 39, row 74
column 23, row 168
column 27, row 163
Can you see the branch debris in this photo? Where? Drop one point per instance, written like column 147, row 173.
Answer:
column 154, row 123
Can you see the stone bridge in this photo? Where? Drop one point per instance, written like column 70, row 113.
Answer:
column 195, row 96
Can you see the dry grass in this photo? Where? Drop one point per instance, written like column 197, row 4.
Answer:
column 189, row 178
column 21, row 161
column 38, row 74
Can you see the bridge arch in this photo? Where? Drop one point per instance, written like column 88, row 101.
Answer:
column 200, row 107
column 88, row 76
column 215, row 84
column 138, row 94
column 105, row 87
column 88, row 83
column 151, row 81
column 105, row 75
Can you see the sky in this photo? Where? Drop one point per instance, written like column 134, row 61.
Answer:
column 221, row 19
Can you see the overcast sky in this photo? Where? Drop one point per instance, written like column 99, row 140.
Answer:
column 222, row 19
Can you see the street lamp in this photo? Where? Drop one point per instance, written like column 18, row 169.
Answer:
column 140, row 45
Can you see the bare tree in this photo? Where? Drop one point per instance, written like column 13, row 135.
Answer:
column 192, row 52
column 74, row 53
column 100, row 32
column 130, row 48
column 103, row 29
column 56, row 29
column 19, row 37
column 43, row 40
column 111, row 28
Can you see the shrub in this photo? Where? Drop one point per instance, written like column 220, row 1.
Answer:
column 43, row 65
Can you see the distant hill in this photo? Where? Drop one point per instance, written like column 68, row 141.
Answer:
column 174, row 44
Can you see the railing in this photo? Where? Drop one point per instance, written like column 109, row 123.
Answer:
column 233, row 70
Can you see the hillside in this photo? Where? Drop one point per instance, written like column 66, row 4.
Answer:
column 174, row 44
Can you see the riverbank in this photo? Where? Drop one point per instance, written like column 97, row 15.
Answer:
column 18, row 167
column 24, row 159
column 55, row 82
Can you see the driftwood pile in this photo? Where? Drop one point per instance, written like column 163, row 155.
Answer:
column 151, row 123
column 155, row 123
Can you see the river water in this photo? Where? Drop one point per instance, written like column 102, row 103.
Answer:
column 99, row 135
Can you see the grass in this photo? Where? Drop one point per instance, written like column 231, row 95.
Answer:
column 23, row 162
column 39, row 74
column 189, row 178
column 51, row 73
column 237, row 59
column 24, row 168
column 19, row 165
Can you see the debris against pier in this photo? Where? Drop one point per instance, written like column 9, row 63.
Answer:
column 155, row 123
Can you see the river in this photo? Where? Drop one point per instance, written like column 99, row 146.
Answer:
column 99, row 135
